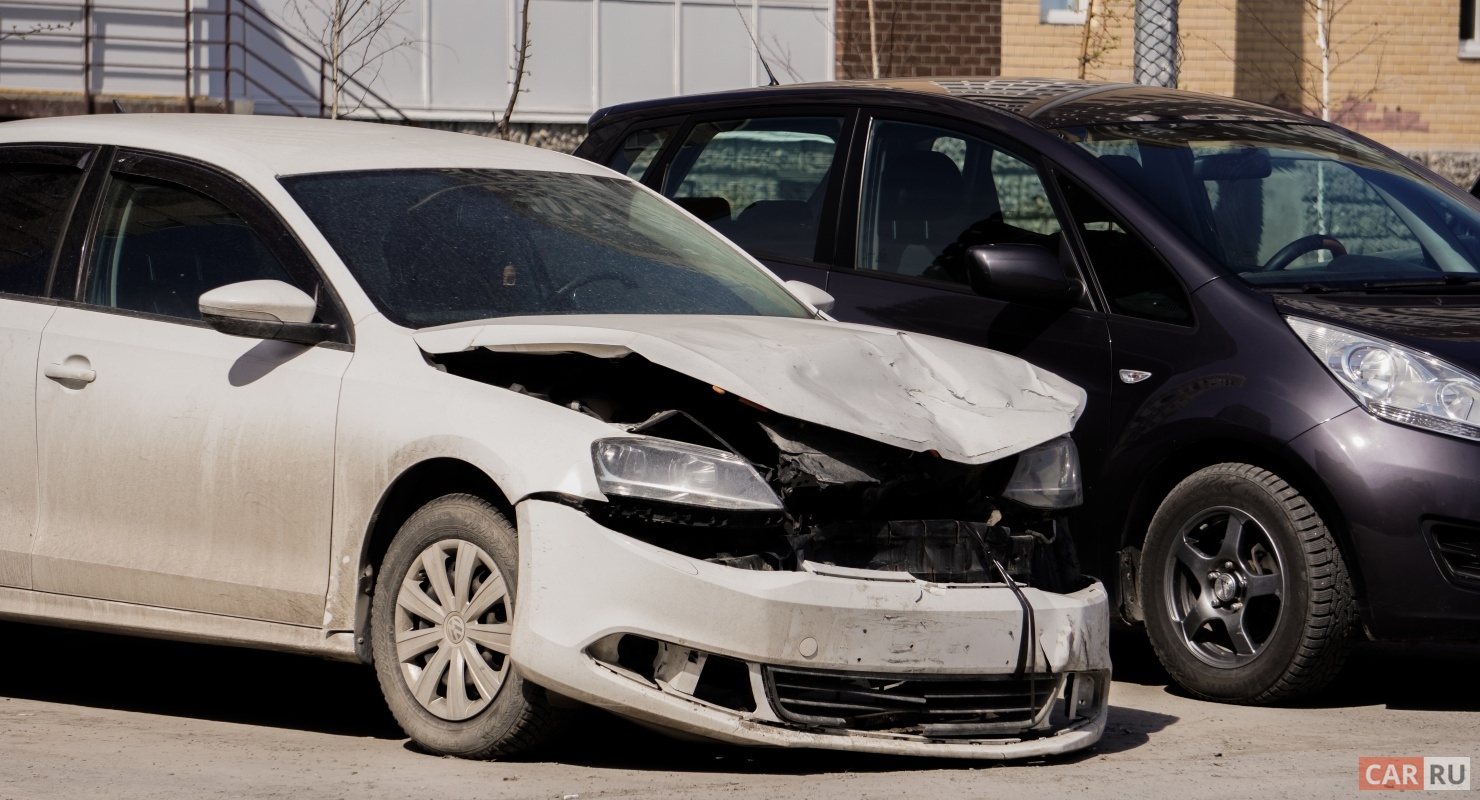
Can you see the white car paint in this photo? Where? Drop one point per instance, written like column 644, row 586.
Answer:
column 906, row 389
column 221, row 489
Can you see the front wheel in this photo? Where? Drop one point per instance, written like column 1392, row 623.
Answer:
column 1247, row 597
column 440, row 625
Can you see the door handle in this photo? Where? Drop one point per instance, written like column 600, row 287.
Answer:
column 68, row 372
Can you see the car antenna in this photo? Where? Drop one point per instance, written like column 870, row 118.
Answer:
column 755, row 44
column 118, row 107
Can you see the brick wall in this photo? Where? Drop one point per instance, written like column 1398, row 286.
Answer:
column 920, row 37
column 1398, row 77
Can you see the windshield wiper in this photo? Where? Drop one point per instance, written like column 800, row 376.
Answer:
column 1449, row 283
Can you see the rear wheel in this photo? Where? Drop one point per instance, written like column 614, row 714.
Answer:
column 1247, row 597
column 440, row 627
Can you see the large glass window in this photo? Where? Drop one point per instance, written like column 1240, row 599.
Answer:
column 433, row 247
column 1135, row 280
column 760, row 182
column 929, row 194
column 161, row 246
column 34, row 203
column 1296, row 207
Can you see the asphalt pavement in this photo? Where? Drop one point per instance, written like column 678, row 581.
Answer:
column 97, row 715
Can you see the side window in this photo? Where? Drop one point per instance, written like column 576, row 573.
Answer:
column 761, row 182
column 34, row 203
column 1136, row 281
column 929, row 194
column 160, row 246
column 638, row 150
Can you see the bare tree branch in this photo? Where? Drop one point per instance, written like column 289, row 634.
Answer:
column 521, row 52
column 1313, row 74
column 352, row 37
column 17, row 32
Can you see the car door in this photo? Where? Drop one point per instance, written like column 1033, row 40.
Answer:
column 768, row 181
column 1152, row 324
column 38, row 185
column 927, row 191
column 181, row 467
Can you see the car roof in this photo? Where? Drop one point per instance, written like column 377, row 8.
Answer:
column 291, row 145
column 1046, row 102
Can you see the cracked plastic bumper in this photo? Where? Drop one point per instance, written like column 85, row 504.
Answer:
column 580, row 583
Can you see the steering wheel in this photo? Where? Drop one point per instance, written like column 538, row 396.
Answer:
column 565, row 293
column 1303, row 245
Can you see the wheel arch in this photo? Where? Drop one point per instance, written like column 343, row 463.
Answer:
column 1162, row 474
column 416, row 486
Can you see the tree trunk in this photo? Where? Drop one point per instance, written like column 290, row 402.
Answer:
column 1323, row 41
column 503, row 123
column 873, row 39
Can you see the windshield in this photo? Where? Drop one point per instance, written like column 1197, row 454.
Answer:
column 433, row 247
column 1296, row 207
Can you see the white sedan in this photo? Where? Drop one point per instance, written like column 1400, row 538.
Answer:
column 523, row 435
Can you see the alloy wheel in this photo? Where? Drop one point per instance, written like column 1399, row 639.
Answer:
column 1225, row 587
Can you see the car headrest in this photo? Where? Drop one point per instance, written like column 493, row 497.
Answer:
column 708, row 209
column 921, row 186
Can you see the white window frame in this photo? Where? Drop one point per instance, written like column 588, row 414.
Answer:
column 1469, row 45
column 1073, row 15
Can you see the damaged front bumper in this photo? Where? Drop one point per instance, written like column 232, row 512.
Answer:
column 848, row 660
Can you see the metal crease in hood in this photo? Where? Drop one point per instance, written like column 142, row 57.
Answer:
column 913, row 391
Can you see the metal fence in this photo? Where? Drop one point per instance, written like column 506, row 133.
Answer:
column 75, row 40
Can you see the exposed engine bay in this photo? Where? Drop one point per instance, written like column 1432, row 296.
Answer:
column 848, row 502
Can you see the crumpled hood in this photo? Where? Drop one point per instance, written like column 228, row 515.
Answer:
column 909, row 390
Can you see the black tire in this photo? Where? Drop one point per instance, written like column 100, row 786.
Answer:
column 518, row 717
column 1286, row 588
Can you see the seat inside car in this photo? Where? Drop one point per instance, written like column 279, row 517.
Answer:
column 921, row 193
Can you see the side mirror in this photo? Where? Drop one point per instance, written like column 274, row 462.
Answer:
column 1022, row 272
column 263, row 310
column 811, row 295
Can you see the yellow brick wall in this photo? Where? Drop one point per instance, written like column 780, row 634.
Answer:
column 1409, row 89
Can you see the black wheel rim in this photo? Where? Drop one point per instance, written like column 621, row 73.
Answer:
column 1225, row 587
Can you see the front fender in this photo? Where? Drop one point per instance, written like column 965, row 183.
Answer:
column 396, row 411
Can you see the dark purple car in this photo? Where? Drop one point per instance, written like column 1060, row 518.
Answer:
column 1277, row 322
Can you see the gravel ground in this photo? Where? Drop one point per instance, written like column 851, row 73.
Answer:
column 92, row 715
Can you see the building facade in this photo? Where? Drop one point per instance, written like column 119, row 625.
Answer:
column 1404, row 73
column 445, row 62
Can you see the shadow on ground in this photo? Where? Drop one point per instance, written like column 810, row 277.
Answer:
column 226, row 684
column 1402, row 676
column 294, row 692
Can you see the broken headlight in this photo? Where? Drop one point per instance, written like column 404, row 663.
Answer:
column 678, row 472
column 1397, row 384
column 1047, row 476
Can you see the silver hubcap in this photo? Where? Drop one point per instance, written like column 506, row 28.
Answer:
column 453, row 621
column 1225, row 587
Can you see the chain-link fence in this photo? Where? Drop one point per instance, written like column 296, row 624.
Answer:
column 1156, row 42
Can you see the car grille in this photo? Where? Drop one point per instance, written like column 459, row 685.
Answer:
column 942, row 706
column 1458, row 547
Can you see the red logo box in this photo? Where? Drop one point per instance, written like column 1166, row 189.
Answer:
column 1401, row 773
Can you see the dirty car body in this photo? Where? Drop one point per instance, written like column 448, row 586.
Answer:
column 361, row 392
